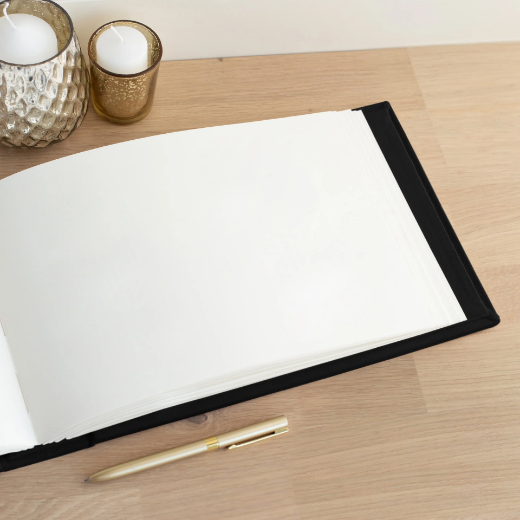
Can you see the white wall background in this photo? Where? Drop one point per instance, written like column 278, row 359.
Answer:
column 220, row 28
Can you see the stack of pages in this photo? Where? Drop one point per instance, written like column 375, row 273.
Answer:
column 155, row 272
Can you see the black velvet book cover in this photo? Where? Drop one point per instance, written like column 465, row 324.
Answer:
column 445, row 246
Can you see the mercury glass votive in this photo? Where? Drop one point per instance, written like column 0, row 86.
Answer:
column 43, row 103
column 125, row 98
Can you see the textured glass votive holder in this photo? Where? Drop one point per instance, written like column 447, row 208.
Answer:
column 125, row 98
column 43, row 103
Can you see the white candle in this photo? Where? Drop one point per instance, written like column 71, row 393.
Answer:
column 26, row 39
column 122, row 50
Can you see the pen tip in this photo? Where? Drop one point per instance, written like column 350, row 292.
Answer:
column 87, row 480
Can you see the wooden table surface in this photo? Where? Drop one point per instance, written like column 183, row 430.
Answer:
column 432, row 435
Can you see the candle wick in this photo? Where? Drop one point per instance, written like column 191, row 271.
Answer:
column 7, row 17
column 114, row 29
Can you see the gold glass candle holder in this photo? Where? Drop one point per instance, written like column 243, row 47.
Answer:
column 125, row 98
column 43, row 103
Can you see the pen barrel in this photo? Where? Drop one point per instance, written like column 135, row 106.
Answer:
column 151, row 461
column 251, row 432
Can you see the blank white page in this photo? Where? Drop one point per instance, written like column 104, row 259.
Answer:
column 16, row 431
column 192, row 260
column 403, row 221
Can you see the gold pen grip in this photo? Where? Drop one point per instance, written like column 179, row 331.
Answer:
column 151, row 461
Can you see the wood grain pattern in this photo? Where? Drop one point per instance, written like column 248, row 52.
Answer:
column 429, row 436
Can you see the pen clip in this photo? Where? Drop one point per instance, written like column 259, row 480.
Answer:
column 279, row 431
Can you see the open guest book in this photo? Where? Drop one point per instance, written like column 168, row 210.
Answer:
column 160, row 278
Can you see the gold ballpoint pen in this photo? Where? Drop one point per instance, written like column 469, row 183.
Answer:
column 234, row 439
